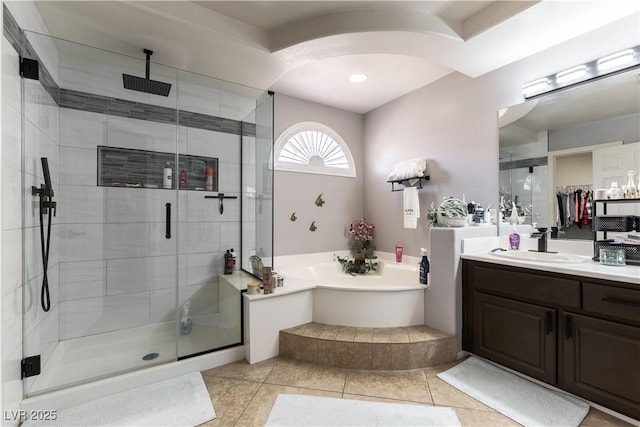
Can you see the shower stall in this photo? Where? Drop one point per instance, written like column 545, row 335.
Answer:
column 143, row 192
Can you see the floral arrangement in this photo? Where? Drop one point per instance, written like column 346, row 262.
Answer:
column 361, row 233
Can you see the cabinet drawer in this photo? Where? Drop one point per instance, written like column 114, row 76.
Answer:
column 612, row 301
column 529, row 286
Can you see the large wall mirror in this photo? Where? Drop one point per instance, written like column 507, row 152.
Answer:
column 558, row 147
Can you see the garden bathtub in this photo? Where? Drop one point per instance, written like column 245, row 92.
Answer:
column 389, row 297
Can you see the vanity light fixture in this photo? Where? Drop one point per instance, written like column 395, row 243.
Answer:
column 571, row 75
column 618, row 62
column 358, row 78
column 535, row 86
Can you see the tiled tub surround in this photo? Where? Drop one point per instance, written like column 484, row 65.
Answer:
column 410, row 347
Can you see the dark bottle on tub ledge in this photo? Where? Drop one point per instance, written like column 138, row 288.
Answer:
column 229, row 262
column 424, row 268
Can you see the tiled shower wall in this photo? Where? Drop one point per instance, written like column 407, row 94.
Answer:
column 117, row 269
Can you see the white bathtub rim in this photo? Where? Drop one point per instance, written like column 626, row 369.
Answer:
column 302, row 269
column 381, row 288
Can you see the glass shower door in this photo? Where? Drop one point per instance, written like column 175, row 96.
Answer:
column 112, row 260
column 210, row 114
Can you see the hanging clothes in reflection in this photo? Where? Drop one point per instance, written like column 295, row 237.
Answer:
column 574, row 205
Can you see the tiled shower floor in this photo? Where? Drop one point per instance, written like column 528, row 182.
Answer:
column 83, row 359
column 243, row 394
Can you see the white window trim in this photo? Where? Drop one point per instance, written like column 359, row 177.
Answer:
column 291, row 131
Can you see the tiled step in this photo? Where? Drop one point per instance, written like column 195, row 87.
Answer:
column 409, row 347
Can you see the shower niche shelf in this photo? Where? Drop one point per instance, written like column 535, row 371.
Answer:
column 131, row 168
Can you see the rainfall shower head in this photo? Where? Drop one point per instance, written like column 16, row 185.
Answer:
column 146, row 84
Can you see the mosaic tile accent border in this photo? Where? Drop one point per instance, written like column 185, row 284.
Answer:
column 11, row 29
column 524, row 163
column 67, row 98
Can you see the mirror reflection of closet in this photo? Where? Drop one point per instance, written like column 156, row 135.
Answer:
column 573, row 179
column 588, row 168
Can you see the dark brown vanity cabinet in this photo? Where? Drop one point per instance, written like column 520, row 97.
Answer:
column 579, row 334
column 518, row 335
column 601, row 362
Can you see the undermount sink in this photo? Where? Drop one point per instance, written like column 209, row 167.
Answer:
column 540, row 257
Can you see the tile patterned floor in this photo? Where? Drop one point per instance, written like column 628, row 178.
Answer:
column 243, row 394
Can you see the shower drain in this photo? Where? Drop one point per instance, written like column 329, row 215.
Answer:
column 150, row 356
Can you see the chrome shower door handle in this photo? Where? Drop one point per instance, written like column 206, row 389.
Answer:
column 168, row 221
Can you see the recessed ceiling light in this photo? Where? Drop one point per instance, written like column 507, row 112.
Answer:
column 358, row 78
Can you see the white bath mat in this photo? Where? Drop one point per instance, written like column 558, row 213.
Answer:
column 521, row 400
column 301, row 410
column 180, row 401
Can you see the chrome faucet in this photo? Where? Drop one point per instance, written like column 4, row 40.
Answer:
column 541, row 235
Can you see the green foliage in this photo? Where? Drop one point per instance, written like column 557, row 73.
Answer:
column 354, row 268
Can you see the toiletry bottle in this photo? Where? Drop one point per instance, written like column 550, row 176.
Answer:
column 514, row 240
column 209, row 179
column 228, row 262
column 631, row 192
column 185, row 321
column 424, row 267
column 399, row 250
column 166, row 176
column 267, row 284
column 183, row 179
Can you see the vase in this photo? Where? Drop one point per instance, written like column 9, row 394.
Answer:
column 631, row 192
column 358, row 261
column 451, row 221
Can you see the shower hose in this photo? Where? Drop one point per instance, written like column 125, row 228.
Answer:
column 45, row 299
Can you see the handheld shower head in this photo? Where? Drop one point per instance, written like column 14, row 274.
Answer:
column 47, row 178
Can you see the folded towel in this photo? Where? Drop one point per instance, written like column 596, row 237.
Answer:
column 411, row 207
column 408, row 169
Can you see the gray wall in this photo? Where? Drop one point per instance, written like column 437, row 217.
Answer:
column 626, row 129
column 297, row 192
column 453, row 122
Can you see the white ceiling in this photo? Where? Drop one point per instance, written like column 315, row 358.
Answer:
column 307, row 49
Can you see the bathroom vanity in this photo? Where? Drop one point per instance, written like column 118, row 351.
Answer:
column 574, row 326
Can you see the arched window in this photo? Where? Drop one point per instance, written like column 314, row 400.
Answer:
column 311, row 147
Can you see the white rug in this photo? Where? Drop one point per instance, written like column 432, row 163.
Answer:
column 300, row 410
column 521, row 400
column 180, row 401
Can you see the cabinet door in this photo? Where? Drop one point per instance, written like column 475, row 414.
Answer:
column 517, row 335
column 601, row 362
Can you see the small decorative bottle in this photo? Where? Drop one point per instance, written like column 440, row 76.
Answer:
column 166, row 176
column 631, row 192
column 183, row 179
column 614, row 192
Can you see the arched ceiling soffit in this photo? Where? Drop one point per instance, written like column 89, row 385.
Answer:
column 346, row 24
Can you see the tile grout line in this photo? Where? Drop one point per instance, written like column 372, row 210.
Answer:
column 262, row 383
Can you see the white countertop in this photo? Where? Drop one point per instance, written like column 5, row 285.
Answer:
column 240, row 279
column 588, row 268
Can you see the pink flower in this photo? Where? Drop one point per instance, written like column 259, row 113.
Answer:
column 360, row 229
